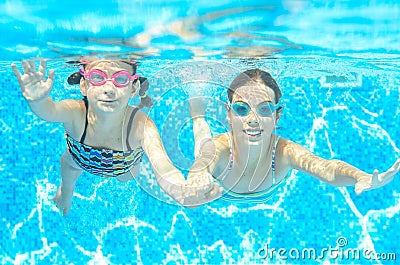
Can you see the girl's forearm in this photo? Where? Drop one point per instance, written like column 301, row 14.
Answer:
column 334, row 172
column 201, row 132
column 44, row 109
column 346, row 174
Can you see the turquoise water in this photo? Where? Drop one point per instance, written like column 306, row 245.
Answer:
column 337, row 63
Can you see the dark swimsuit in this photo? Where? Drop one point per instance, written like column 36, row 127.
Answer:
column 104, row 162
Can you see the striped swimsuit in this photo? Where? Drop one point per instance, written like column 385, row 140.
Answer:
column 254, row 197
column 104, row 162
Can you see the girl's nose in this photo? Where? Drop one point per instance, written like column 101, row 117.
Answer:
column 252, row 119
column 108, row 89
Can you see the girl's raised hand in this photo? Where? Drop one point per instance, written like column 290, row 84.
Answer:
column 34, row 85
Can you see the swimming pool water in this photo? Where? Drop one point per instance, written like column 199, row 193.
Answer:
column 340, row 84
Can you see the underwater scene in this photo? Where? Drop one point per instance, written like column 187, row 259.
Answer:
column 337, row 64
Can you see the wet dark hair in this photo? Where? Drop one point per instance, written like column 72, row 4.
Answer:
column 145, row 100
column 253, row 76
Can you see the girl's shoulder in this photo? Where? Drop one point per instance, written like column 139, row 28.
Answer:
column 139, row 122
column 75, row 110
column 223, row 140
column 285, row 145
column 287, row 151
column 136, row 115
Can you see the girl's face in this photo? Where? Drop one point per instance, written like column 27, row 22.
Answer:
column 109, row 89
column 252, row 113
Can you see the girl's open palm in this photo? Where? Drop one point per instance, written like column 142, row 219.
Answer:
column 34, row 85
column 377, row 180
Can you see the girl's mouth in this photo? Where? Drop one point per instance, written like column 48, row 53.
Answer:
column 253, row 133
column 107, row 100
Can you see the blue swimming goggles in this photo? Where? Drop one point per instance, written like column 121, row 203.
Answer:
column 264, row 109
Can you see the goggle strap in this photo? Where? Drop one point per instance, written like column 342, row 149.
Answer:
column 82, row 71
column 134, row 77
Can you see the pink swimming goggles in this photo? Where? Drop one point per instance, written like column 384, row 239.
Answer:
column 99, row 78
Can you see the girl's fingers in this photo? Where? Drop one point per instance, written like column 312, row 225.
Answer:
column 42, row 67
column 26, row 67
column 376, row 176
column 51, row 78
column 32, row 65
column 387, row 177
column 17, row 73
column 396, row 166
column 360, row 187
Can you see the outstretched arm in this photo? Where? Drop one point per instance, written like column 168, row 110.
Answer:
column 200, row 173
column 168, row 177
column 201, row 130
column 336, row 172
column 36, row 88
